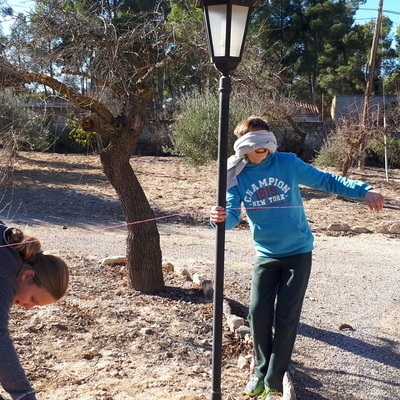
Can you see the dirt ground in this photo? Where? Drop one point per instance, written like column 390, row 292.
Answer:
column 104, row 341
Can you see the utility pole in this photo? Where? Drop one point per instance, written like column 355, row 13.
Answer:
column 370, row 80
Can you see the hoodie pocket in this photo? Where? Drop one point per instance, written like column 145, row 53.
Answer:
column 281, row 235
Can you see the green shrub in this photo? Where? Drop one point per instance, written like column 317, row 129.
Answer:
column 195, row 134
column 333, row 152
column 377, row 150
column 85, row 141
column 21, row 128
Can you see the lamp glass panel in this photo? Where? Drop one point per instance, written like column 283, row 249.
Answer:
column 238, row 27
column 217, row 18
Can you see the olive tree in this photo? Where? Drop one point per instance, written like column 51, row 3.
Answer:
column 116, row 51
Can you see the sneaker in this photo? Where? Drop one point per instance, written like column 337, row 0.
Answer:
column 254, row 386
column 271, row 394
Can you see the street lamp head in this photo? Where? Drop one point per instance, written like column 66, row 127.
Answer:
column 226, row 24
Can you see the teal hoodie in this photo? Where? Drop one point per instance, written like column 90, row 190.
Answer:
column 271, row 196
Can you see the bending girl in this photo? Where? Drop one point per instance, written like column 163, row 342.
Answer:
column 28, row 278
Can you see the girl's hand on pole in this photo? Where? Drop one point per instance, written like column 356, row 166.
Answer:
column 374, row 200
column 217, row 214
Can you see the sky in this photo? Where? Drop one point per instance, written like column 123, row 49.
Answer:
column 368, row 11
column 19, row 6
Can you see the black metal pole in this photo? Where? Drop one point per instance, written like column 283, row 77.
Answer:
column 225, row 89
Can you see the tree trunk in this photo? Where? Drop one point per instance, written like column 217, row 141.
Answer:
column 346, row 165
column 144, row 258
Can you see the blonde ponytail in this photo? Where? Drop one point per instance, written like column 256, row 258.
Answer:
column 51, row 272
column 29, row 248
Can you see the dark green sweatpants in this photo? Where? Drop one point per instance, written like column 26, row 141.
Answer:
column 284, row 280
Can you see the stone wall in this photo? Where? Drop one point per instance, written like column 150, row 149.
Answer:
column 316, row 133
column 156, row 136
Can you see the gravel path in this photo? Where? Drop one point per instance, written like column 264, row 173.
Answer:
column 354, row 283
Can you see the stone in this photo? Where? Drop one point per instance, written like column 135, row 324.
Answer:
column 183, row 272
column 168, row 267
column 345, row 327
column 197, row 279
column 339, row 227
column 94, row 351
column 382, row 229
column 360, row 229
column 234, row 322
column 243, row 362
column 226, row 307
column 288, row 388
column 394, row 228
column 198, row 369
column 147, row 331
column 253, row 363
column 113, row 260
column 207, row 288
column 243, row 332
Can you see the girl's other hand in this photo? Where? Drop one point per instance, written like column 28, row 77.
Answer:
column 374, row 200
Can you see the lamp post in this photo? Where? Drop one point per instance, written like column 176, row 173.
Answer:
column 226, row 25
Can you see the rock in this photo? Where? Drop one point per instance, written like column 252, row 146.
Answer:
column 93, row 352
column 147, row 331
column 382, row 229
column 252, row 364
column 248, row 339
column 226, row 308
column 197, row 279
column 166, row 378
column 339, row 227
column 114, row 372
column 344, row 327
column 234, row 322
column 243, row 362
column 61, row 327
column 183, row 272
column 113, row 260
column 197, row 369
column 208, row 289
column 168, row 267
column 288, row 388
column 205, row 285
column 394, row 228
column 360, row 229
column 243, row 332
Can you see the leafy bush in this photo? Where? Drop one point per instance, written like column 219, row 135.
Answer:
column 332, row 152
column 85, row 141
column 195, row 134
column 20, row 128
column 377, row 150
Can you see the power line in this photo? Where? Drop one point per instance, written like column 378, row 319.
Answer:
column 376, row 10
